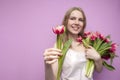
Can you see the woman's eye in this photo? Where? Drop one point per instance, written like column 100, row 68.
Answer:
column 72, row 18
column 81, row 19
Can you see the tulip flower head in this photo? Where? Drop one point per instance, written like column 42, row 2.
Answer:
column 106, row 57
column 93, row 37
column 59, row 29
column 86, row 34
column 79, row 39
column 113, row 47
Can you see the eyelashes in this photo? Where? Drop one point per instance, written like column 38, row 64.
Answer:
column 74, row 18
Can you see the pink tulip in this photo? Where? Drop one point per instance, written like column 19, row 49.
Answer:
column 101, row 37
column 106, row 57
column 113, row 47
column 79, row 39
column 107, row 40
column 93, row 37
column 59, row 29
column 97, row 34
column 86, row 34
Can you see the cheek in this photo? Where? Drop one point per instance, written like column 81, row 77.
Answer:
column 69, row 24
column 82, row 23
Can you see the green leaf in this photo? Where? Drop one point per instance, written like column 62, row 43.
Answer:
column 85, row 43
column 108, row 36
column 89, row 68
column 87, row 40
column 61, row 60
column 103, row 50
column 104, row 45
column 112, row 56
column 109, row 67
column 99, row 43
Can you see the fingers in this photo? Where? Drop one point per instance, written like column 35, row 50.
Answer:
column 51, row 55
column 91, row 53
column 52, row 51
column 86, row 53
column 51, row 62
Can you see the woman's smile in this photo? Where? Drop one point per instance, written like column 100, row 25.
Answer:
column 75, row 27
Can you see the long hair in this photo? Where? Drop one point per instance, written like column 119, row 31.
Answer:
column 66, row 17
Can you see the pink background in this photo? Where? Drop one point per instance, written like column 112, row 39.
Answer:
column 25, row 32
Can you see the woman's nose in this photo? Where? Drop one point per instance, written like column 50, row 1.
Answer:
column 76, row 22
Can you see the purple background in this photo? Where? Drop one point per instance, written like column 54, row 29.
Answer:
column 25, row 31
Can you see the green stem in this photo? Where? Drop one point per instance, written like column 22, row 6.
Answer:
column 89, row 68
column 58, row 42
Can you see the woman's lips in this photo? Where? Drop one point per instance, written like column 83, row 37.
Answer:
column 75, row 28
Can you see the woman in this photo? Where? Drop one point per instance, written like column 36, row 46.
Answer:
column 77, row 55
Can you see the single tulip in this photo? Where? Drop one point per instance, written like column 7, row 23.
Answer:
column 113, row 47
column 86, row 34
column 107, row 40
column 106, row 57
column 101, row 37
column 79, row 39
column 59, row 29
column 93, row 37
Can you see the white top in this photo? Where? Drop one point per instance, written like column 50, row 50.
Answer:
column 74, row 66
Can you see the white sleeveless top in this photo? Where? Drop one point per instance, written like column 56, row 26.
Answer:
column 74, row 66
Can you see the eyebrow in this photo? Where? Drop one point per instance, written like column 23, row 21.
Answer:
column 75, row 17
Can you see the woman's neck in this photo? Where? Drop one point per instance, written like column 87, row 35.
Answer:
column 77, row 46
column 73, row 37
column 75, row 43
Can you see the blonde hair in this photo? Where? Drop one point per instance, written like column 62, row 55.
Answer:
column 66, row 17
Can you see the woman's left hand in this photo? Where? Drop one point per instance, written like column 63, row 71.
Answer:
column 91, row 53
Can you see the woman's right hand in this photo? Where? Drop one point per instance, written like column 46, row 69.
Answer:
column 51, row 55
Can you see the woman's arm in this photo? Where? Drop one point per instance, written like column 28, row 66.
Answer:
column 50, row 71
column 51, row 56
column 98, row 63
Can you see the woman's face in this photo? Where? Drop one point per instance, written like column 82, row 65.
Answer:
column 75, row 22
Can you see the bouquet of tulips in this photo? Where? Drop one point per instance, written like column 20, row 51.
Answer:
column 59, row 31
column 103, row 45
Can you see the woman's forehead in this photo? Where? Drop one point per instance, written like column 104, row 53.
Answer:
column 76, row 13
